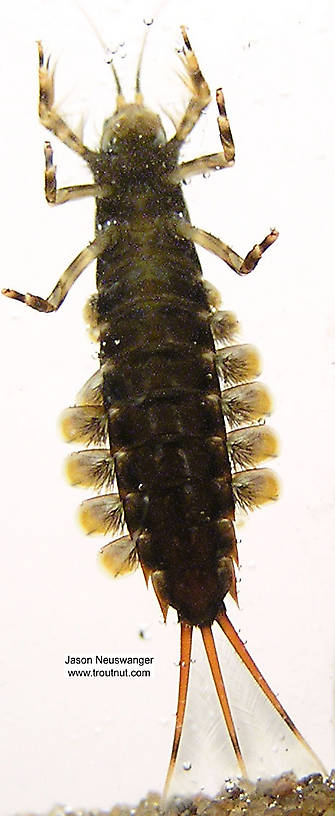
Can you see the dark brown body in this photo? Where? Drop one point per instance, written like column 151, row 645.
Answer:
column 157, row 395
column 161, row 390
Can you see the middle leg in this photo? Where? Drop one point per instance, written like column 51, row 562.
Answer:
column 55, row 196
column 214, row 161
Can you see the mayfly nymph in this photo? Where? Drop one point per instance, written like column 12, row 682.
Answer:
column 154, row 416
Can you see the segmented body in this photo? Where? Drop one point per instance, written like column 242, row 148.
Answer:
column 158, row 396
column 162, row 397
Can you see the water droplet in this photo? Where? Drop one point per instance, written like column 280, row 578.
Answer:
column 187, row 766
column 117, row 341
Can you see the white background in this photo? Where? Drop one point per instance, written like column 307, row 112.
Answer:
column 92, row 743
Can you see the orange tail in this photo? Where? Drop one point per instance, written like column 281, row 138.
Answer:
column 211, row 652
column 184, row 673
column 243, row 654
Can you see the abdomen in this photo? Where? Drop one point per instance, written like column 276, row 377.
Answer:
column 167, row 430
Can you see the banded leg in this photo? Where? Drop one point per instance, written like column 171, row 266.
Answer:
column 58, row 294
column 214, row 161
column 240, row 265
column 55, row 196
column 48, row 112
column 200, row 91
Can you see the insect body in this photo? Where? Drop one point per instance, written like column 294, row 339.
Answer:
column 164, row 393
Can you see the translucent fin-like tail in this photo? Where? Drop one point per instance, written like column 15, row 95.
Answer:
column 184, row 671
column 244, row 655
column 211, row 652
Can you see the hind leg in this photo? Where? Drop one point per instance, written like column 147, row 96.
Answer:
column 106, row 238
column 240, row 265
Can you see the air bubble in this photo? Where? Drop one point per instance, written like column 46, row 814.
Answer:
column 109, row 53
column 229, row 785
column 187, row 766
column 148, row 21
